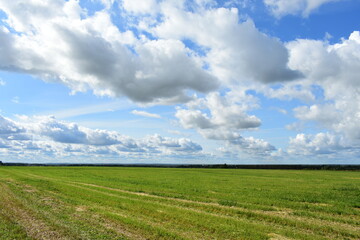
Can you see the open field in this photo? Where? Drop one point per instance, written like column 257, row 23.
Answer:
column 161, row 203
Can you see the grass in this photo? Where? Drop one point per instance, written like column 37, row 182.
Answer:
column 160, row 203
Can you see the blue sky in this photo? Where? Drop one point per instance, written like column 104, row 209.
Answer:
column 201, row 81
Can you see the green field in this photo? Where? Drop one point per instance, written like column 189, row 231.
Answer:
column 161, row 203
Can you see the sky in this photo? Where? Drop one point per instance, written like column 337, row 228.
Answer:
column 180, row 81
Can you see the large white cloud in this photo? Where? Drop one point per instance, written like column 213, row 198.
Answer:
column 234, row 49
column 331, row 71
column 90, row 53
column 45, row 135
column 281, row 8
column 334, row 68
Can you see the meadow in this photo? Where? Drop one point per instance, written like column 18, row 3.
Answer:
column 164, row 203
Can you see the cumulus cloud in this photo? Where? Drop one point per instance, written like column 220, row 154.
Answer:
column 2, row 82
column 281, row 8
column 91, row 53
column 234, row 49
column 223, row 115
column 221, row 118
column 170, row 145
column 330, row 74
column 253, row 145
column 46, row 135
column 323, row 62
column 301, row 90
column 9, row 127
column 140, row 6
column 249, row 145
column 321, row 143
column 145, row 114
column 326, row 115
column 334, row 68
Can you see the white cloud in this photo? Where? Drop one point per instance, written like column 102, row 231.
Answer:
column 8, row 127
column 140, row 6
column 107, row 3
column 45, row 135
column 281, row 8
column 15, row 99
column 253, row 146
column 177, row 132
column 280, row 110
column 145, row 114
column 239, row 3
column 329, row 69
column 90, row 53
column 321, row 143
column 295, row 90
column 2, row 82
column 90, row 109
column 334, row 68
column 171, row 145
column 234, row 51
column 221, row 118
column 248, row 150
column 326, row 115
column 224, row 114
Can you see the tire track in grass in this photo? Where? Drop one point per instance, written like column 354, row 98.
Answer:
column 282, row 214
column 186, row 235
column 149, row 220
column 158, row 231
column 276, row 225
column 78, row 215
column 34, row 227
column 146, row 223
column 10, row 229
column 99, row 221
column 123, row 228
column 152, row 223
column 120, row 230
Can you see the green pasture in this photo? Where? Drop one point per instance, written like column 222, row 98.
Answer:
column 166, row 203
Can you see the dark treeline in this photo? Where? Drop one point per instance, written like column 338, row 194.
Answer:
column 224, row 166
